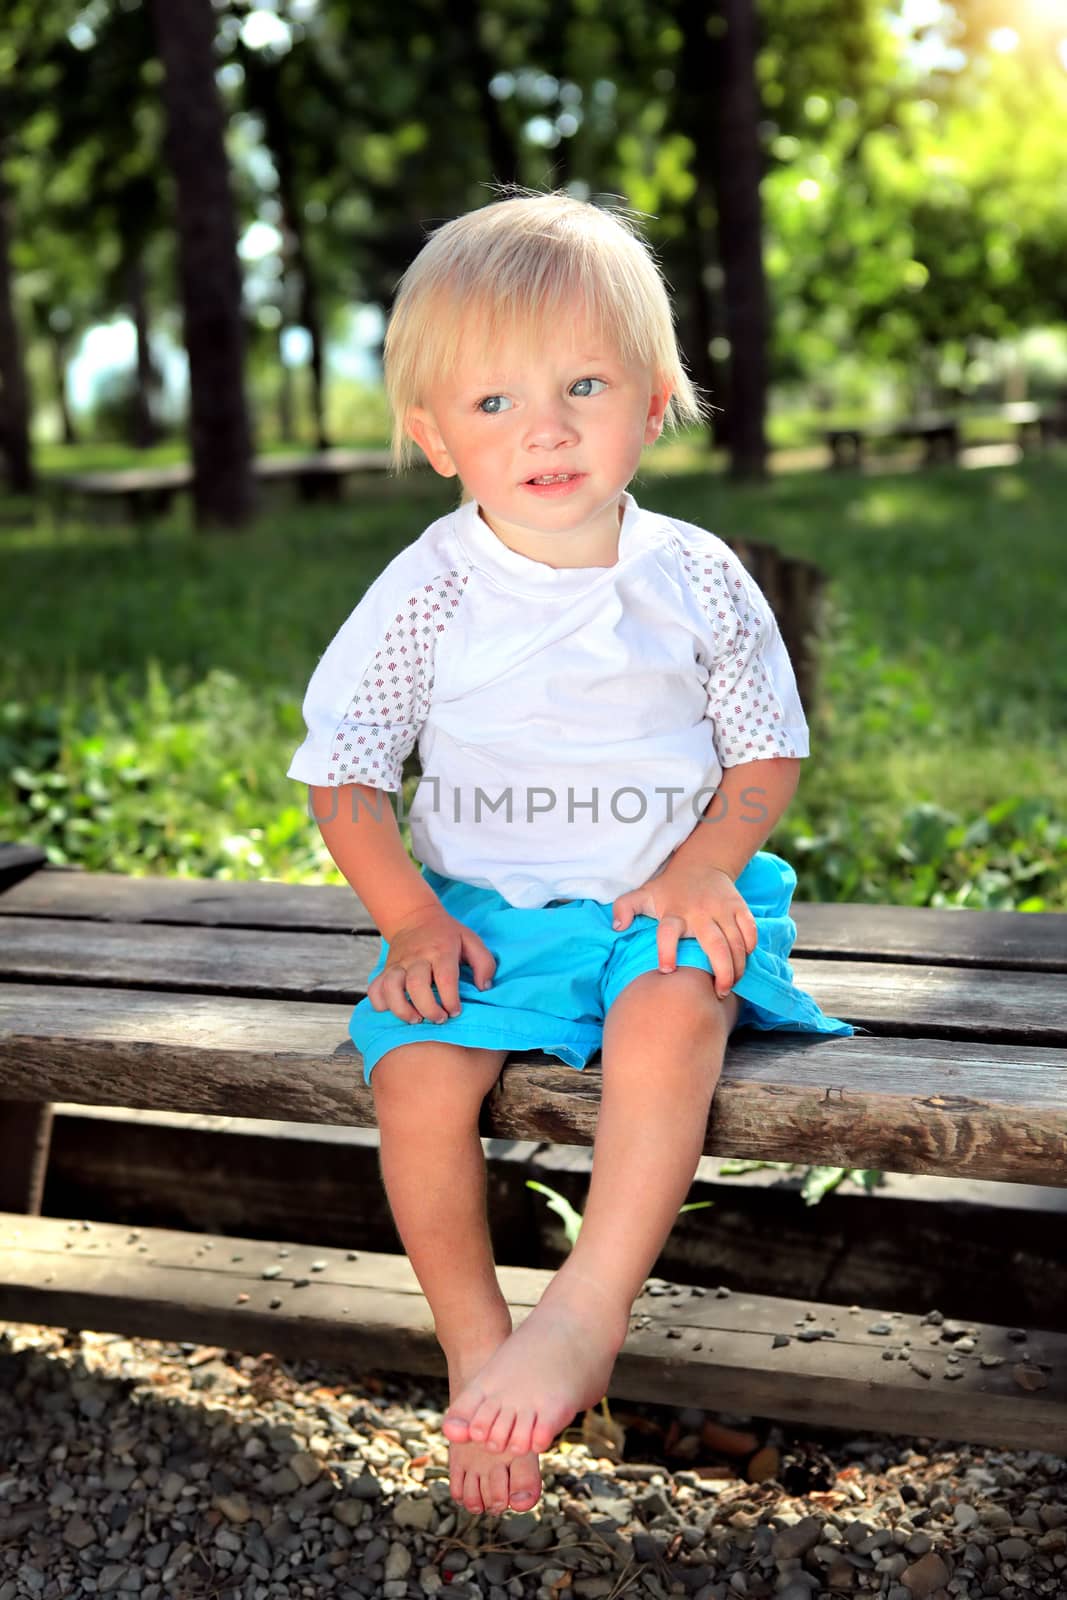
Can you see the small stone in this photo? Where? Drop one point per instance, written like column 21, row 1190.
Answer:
column 797, row 1540
column 779, row 1340
column 305, row 1466
column 879, row 1328
column 301, row 1283
column 1015, row 1549
column 319, row 1266
column 397, row 1562
column 925, row 1575
column 271, row 1272
column 1018, row 1335
column 364, row 1487
column 78, row 1533
column 990, row 1361
column 921, row 1368
column 349, row 1513
column 234, row 1507
column 516, row 1527
column 414, row 1511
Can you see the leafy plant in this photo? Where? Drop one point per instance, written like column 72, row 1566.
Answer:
column 817, row 1181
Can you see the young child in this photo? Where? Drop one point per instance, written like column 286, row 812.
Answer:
column 608, row 728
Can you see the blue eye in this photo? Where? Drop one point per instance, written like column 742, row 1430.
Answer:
column 491, row 401
column 588, row 393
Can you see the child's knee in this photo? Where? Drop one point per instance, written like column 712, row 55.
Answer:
column 434, row 1084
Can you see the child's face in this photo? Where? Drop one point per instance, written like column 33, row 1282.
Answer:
column 573, row 408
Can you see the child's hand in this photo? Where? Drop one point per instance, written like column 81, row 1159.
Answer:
column 700, row 903
column 428, row 950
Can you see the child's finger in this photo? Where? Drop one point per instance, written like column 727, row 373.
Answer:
column 420, row 989
column 446, row 982
column 394, row 993
column 478, row 957
column 730, row 954
column 669, row 930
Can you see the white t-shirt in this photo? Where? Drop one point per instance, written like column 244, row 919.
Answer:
column 572, row 723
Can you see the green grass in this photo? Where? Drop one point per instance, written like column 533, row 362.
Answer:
column 151, row 685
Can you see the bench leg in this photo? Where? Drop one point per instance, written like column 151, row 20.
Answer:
column 25, row 1139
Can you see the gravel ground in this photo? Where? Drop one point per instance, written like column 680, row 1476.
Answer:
column 176, row 1472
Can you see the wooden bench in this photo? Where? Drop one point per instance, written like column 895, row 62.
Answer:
column 940, row 436
column 234, row 998
column 1032, row 422
column 149, row 491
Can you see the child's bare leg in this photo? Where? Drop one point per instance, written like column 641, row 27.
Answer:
column 427, row 1097
column 664, row 1041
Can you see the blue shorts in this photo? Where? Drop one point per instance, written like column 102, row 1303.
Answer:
column 560, row 967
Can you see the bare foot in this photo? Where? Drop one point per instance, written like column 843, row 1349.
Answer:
column 558, row 1362
column 480, row 1479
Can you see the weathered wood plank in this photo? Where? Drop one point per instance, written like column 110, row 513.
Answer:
column 1000, row 939
column 25, row 1140
column 204, row 902
column 1003, row 940
column 17, row 861
column 275, row 1179
column 942, row 1002
column 370, row 1313
column 924, row 1105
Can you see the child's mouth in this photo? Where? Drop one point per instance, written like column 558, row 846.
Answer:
column 556, row 483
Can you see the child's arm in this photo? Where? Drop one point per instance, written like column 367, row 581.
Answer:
column 745, row 811
column 694, row 895
column 360, row 831
column 426, row 944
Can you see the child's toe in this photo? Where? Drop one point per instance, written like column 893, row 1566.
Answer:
column 543, row 1431
column 500, row 1432
column 483, row 1419
column 522, row 1430
column 456, row 1430
column 496, row 1488
column 525, row 1483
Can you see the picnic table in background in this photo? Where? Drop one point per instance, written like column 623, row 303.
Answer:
column 1033, row 422
column 149, row 491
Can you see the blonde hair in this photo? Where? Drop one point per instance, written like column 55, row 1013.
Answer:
column 512, row 265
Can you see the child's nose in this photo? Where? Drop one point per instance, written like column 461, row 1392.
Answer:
column 550, row 427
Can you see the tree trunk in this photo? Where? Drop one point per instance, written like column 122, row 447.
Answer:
column 14, row 394
column 58, row 348
column 286, row 424
column 223, row 488
column 735, row 168
column 300, row 289
column 145, row 431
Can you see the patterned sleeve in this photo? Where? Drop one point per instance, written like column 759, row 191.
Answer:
column 753, row 701
column 370, row 693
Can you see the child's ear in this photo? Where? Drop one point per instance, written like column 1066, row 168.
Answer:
column 420, row 426
column 657, row 411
